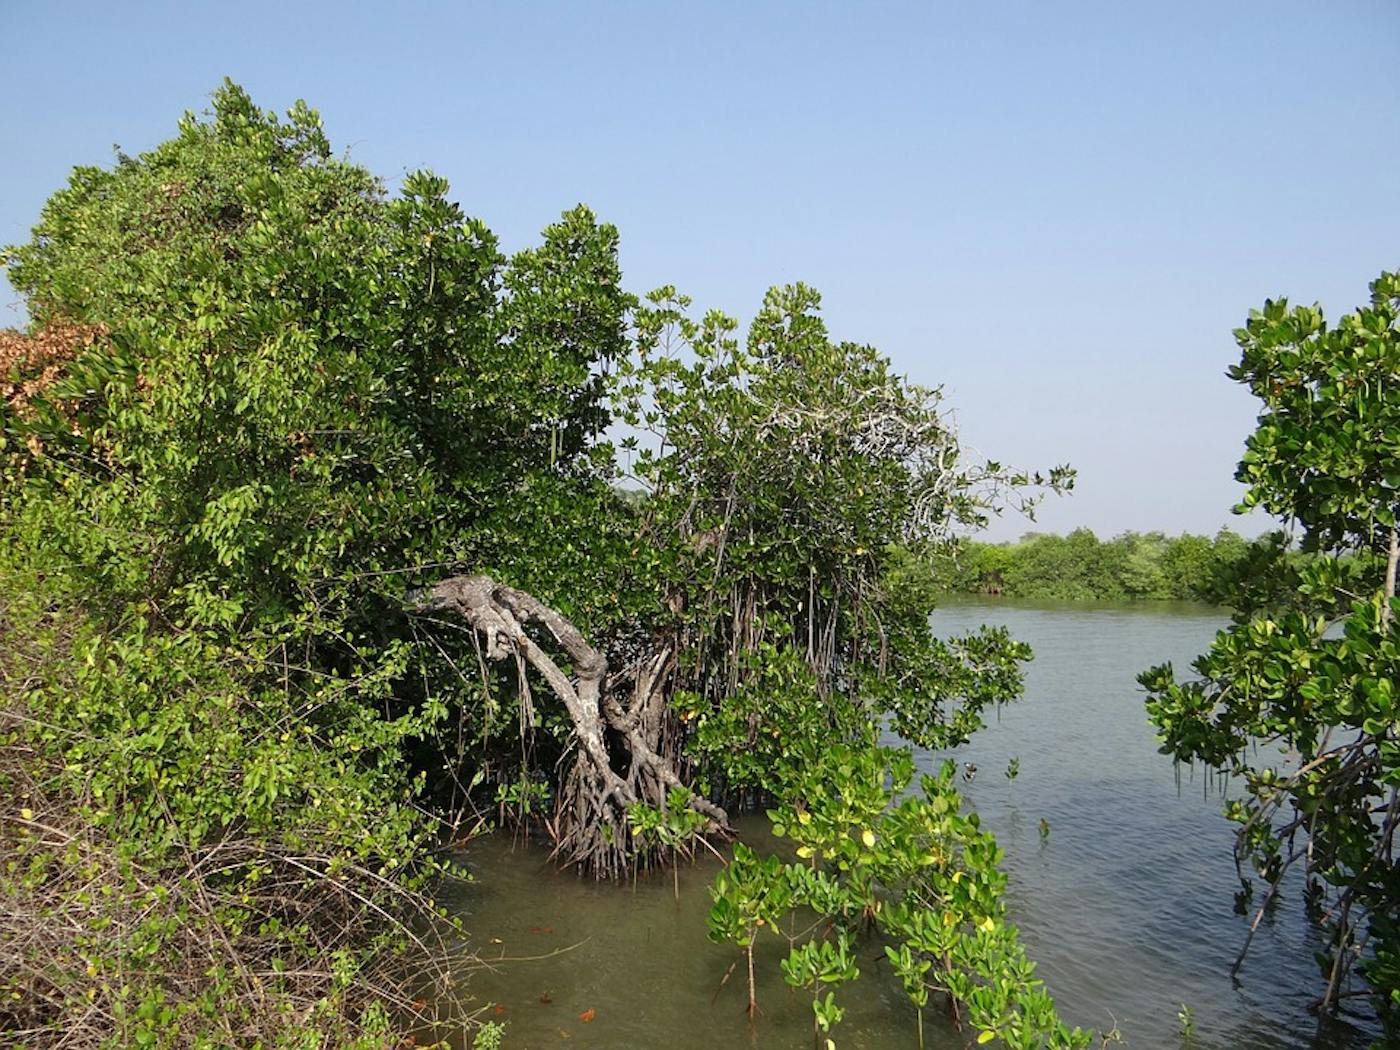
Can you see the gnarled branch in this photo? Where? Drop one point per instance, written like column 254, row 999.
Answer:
column 591, row 810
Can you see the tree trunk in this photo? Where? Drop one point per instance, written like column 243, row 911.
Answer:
column 594, row 796
column 753, row 996
column 1390, row 563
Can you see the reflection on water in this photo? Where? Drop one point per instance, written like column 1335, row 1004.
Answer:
column 1126, row 904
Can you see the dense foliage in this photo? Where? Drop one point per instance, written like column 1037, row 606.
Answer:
column 1296, row 700
column 873, row 855
column 1081, row 567
column 297, row 387
column 300, row 430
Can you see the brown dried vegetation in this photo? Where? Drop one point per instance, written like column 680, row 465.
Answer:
column 31, row 364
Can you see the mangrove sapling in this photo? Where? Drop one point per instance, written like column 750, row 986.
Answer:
column 1186, row 1024
column 675, row 829
column 749, row 893
column 522, row 800
column 912, row 971
column 914, row 867
column 818, row 964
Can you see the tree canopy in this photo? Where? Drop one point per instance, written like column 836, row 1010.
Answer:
column 1081, row 567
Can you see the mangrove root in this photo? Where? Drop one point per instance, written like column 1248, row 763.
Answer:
column 618, row 760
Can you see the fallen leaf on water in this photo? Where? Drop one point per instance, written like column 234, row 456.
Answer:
column 500, row 1010
column 588, row 1015
column 541, row 929
column 564, row 1035
column 497, row 940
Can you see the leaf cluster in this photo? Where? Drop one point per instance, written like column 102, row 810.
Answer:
column 874, row 858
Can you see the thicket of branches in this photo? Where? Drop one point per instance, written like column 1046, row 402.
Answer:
column 318, row 549
column 255, row 390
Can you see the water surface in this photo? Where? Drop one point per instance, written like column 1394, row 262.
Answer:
column 1126, row 905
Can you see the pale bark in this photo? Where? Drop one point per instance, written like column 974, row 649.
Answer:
column 1390, row 563
column 594, row 796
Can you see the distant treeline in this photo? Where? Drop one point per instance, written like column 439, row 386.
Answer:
column 1081, row 567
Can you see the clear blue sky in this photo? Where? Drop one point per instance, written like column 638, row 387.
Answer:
column 1057, row 210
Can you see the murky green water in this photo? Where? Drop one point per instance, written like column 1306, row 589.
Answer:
column 1127, row 905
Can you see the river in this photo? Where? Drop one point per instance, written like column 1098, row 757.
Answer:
column 1126, row 903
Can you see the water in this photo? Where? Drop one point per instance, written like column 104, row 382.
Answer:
column 1126, row 905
